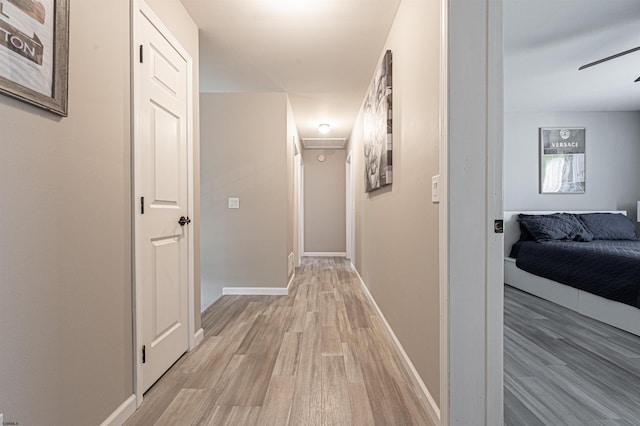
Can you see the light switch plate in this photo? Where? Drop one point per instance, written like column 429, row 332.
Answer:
column 435, row 189
column 234, row 203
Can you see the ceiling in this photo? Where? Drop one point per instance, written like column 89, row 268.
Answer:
column 545, row 41
column 321, row 52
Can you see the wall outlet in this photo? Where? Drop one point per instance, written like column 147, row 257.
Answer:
column 234, row 203
column 1, row 419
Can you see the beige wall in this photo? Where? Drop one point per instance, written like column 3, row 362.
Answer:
column 397, row 227
column 65, row 257
column 244, row 155
column 324, row 201
column 65, row 260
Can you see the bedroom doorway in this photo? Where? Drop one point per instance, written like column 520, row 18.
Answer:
column 567, row 358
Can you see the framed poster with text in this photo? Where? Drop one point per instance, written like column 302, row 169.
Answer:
column 34, row 52
column 562, row 160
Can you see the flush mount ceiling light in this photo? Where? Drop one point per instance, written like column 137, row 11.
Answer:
column 324, row 128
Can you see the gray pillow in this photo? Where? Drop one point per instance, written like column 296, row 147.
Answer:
column 609, row 226
column 557, row 226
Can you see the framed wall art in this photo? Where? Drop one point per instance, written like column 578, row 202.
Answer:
column 378, row 137
column 34, row 52
column 562, row 160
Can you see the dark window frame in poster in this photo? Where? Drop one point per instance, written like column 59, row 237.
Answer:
column 562, row 160
column 34, row 52
column 378, row 135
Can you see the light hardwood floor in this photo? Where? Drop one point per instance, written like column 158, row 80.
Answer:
column 562, row 368
column 320, row 356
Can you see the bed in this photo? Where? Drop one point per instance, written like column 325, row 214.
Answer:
column 622, row 312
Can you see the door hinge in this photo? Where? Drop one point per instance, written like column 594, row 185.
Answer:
column 144, row 354
column 141, row 205
column 141, row 54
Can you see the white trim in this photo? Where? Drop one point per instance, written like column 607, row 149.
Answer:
column 350, row 208
column 198, row 337
column 474, row 138
column 301, row 213
column 324, row 254
column 347, row 210
column 190, row 198
column 427, row 399
column 122, row 413
column 139, row 8
column 291, row 281
column 297, row 170
column 495, row 271
column 443, row 218
column 255, row 291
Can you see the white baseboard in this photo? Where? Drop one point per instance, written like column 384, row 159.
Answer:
column 198, row 337
column 324, row 254
column 122, row 413
column 255, row 291
column 430, row 403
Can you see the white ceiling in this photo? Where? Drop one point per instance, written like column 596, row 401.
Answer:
column 321, row 52
column 547, row 40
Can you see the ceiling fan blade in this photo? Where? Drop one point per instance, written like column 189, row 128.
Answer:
column 608, row 58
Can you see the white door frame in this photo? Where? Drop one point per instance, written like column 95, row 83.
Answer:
column 471, row 284
column 443, row 217
column 351, row 247
column 296, row 206
column 300, row 208
column 139, row 8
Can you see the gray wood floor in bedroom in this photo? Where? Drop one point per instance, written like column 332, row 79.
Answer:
column 562, row 368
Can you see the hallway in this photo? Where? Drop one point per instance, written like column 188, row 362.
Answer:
column 318, row 356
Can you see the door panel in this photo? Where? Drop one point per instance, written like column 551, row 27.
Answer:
column 166, row 149
column 166, row 272
column 163, row 71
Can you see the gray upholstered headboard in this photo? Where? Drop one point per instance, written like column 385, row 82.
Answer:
column 512, row 228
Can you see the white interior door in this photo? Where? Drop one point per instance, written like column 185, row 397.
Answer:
column 296, row 203
column 300, row 165
column 162, row 265
column 350, row 210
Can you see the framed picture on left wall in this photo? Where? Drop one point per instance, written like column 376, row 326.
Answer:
column 34, row 52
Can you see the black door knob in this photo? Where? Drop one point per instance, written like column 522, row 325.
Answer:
column 184, row 220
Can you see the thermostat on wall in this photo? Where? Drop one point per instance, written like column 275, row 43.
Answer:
column 234, row 203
